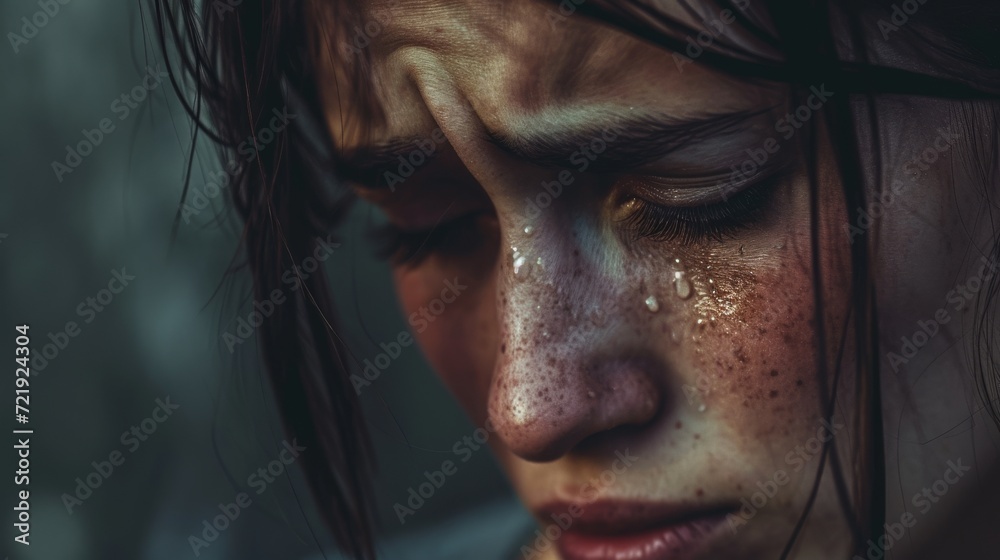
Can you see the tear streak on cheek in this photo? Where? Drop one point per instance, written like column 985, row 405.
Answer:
column 750, row 352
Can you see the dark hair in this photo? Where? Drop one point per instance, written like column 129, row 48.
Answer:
column 237, row 63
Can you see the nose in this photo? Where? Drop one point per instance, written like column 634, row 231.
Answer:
column 567, row 368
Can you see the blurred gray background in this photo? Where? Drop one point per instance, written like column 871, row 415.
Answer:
column 60, row 243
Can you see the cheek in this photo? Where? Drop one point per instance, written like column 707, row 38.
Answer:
column 458, row 338
column 753, row 352
column 751, row 358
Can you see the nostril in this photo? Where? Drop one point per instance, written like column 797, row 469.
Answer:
column 542, row 415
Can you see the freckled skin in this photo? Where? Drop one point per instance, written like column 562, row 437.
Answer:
column 564, row 356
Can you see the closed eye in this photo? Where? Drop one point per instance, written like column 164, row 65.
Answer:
column 680, row 214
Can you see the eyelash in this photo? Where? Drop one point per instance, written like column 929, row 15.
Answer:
column 459, row 236
column 695, row 224
column 699, row 224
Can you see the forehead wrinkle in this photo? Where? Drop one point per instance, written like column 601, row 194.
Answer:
column 458, row 28
column 513, row 44
column 512, row 66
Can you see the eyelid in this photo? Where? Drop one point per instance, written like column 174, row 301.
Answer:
column 691, row 191
column 677, row 192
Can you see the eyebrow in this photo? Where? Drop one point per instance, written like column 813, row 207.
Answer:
column 637, row 140
column 628, row 141
column 367, row 164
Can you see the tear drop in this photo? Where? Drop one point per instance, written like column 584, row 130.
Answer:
column 519, row 261
column 528, row 230
column 682, row 284
column 652, row 304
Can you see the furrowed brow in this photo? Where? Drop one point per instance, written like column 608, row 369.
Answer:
column 628, row 141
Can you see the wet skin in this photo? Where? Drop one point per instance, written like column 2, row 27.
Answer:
column 578, row 336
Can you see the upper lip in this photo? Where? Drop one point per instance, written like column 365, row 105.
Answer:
column 617, row 517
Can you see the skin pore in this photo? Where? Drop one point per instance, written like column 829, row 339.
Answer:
column 582, row 333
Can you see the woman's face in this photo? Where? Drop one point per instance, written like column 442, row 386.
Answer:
column 640, row 342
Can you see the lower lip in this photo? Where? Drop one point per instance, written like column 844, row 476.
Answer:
column 674, row 542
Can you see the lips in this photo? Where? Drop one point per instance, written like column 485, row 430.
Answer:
column 614, row 530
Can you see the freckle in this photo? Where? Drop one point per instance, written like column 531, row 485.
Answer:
column 503, row 348
column 798, row 382
column 679, row 425
column 740, row 355
column 774, row 373
column 699, row 492
column 773, row 394
column 739, row 487
column 697, row 436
